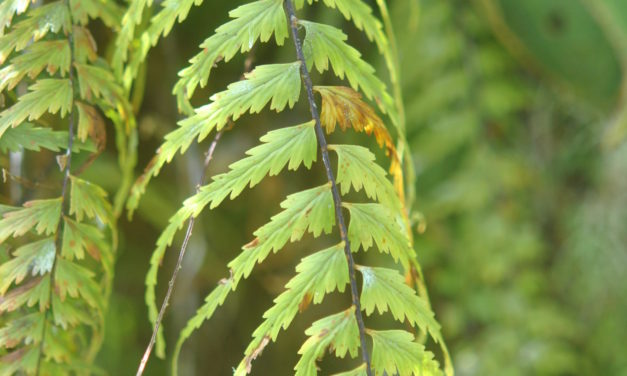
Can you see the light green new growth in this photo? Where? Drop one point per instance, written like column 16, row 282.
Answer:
column 278, row 84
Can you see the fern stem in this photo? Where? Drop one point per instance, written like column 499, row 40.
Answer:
column 322, row 142
column 179, row 262
column 64, row 189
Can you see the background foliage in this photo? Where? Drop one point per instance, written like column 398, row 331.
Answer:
column 515, row 118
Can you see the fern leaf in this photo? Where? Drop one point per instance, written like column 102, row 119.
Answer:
column 343, row 106
column 53, row 55
column 70, row 315
column 163, row 21
column 97, row 82
column 318, row 274
column 324, row 44
column 395, row 353
column 85, row 48
column 307, row 211
column 46, row 95
column 35, row 291
column 74, row 280
column 256, row 20
column 42, row 20
column 386, row 289
column 33, row 258
column 160, row 24
column 9, row 9
column 278, row 84
column 81, row 237
column 132, row 17
column 31, row 137
column 370, row 222
column 338, row 332
column 42, row 215
column 361, row 14
column 108, row 11
column 290, row 146
column 22, row 329
column 89, row 200
column 356, row 168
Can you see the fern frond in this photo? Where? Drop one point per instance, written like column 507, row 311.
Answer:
column 277, row 84
column 47, row 282
column 314, row 210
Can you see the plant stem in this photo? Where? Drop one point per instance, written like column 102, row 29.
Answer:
column 289, row 8
column 64, row 202
column 188, row 234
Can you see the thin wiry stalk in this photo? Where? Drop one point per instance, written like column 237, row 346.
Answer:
column 190, row 226
column 322, row 142
column 67, row 164
column 188, row 234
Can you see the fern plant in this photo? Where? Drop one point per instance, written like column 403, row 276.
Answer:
column 55, row 285
column 382, row 222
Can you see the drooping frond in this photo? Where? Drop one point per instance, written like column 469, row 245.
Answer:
column 57, row 276
column 382, row 224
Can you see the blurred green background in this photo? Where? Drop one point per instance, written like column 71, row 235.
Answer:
column 516, row 120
